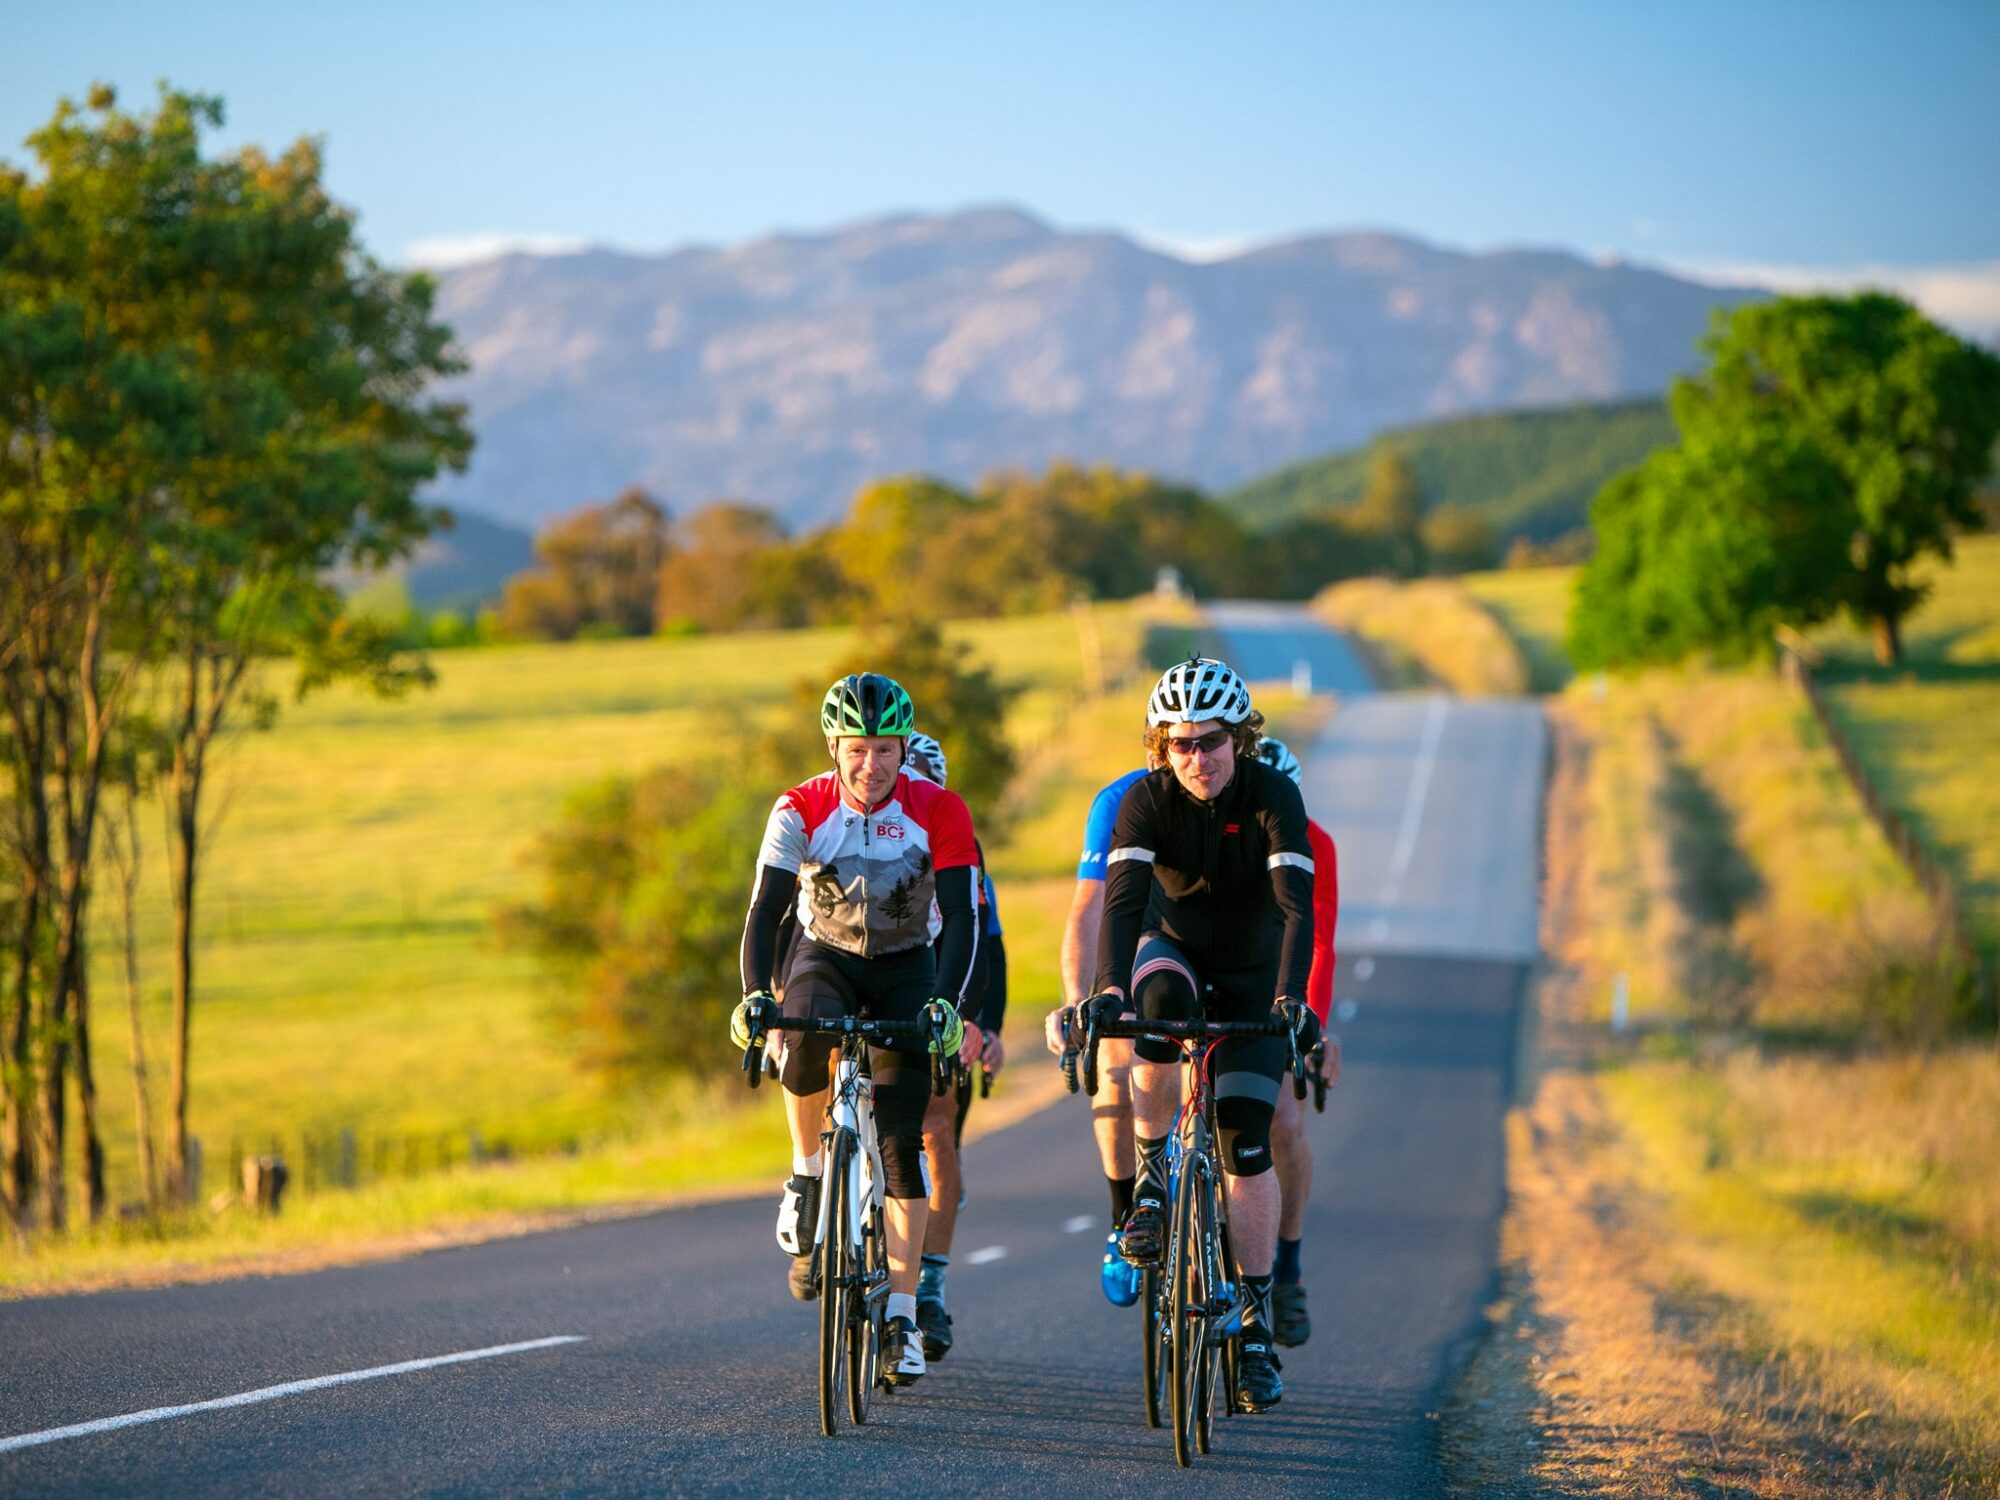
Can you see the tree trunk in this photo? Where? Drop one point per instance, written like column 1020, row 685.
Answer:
column 128, row 887
column 1888, row 634
column 183, row 888
column 17, row 1180
column 86, row 1106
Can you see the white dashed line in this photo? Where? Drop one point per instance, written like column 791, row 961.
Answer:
column 987, row 1256
column 1379, row 928
column 1363, row 968
column 1420, row 787
column 274, row 1392
column 1077, row 1225
column 1345, row 1010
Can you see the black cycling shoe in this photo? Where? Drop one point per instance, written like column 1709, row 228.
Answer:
column 803, row 1278
column 902, row 1352
column 1142, row 1238
column 1290, row 1323
column 1258, row 1387
column 934, row 1323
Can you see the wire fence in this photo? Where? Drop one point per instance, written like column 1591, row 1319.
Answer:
column 1938, row 883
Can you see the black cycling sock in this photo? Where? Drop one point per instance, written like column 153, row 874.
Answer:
column 1259, row 1309
column 1121, row 1198
column 1152, row 1180
column 930, row 1277
column 1286, row 1267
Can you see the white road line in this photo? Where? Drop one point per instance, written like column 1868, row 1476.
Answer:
column 274, row 1392
column 1420, row 788
column 1379, row 928
column 1345, row 1011
column 1077, row 1225
column 987, row 1256
column 1363, row 968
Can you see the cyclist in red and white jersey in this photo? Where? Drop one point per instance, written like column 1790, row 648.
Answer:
column 878, row 866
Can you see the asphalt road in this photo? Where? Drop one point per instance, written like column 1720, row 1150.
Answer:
column 690, row 1371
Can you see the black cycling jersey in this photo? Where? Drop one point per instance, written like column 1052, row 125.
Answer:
column 1229, row 880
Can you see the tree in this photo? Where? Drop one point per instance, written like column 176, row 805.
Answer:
column 891, row 536
column 715, row 574
column 212, row 398
column 1709, row 548
column 599, row 573
column 1905, row 413
column 1458, row 539
column 1391, row 512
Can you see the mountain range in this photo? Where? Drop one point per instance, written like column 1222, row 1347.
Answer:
column 791, row 369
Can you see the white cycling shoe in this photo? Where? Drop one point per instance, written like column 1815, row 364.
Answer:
column 798, row 1215
column 910, row 1368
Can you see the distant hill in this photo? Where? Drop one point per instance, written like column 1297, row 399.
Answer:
column 1531, row 473
column 466, row 566
column 789, row 370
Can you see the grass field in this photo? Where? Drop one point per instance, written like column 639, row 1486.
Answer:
column 348, row 971
column 1533, row 606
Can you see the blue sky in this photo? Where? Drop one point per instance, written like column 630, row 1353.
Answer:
column 1804, row 139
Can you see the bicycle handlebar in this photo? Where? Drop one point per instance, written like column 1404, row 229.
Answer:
column 1096, row 1030
column 927, row 1027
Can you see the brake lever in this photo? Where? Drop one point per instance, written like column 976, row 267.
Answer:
column 1090, row 1054
column 985, row 1079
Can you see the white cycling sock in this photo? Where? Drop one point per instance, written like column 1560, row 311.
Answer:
column 808, row 1166
column 903, row 1305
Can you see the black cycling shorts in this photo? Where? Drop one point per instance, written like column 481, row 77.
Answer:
column 1247, row 1070
column 828, row 983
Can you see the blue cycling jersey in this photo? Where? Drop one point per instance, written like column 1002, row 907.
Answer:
column 1097, row 829
column 990, row 909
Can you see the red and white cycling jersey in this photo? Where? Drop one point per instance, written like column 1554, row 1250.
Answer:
column 866, row 879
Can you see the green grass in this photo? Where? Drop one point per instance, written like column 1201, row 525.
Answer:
column 1532, row 604
column 348, row 973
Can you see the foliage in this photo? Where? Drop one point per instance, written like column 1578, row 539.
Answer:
column 1907, row 412
column 1530, row 473
column 1830, row 445
column 1458, row 539
column 1709, row 547
column 641, row 913
column 211, row 398
column 599, row 573
column 960, row 703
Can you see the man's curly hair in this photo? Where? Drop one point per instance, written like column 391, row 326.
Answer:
column 1249, row 736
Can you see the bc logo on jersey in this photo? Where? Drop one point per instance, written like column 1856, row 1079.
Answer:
column 888, row 830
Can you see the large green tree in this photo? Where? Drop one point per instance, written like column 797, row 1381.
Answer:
column 212, row 397
column 1904, row 411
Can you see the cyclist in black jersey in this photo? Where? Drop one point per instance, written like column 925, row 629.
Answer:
column 1210, row 882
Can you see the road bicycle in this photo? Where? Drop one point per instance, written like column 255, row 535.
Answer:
column 1193, row 1303
column 850, row 1244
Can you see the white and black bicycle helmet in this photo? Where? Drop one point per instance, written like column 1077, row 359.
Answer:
column 1278, row 756
column 926, row 757
column 1197, row 689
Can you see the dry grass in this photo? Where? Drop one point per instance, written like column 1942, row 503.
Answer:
column 1732, row 1267
column 1429, row 632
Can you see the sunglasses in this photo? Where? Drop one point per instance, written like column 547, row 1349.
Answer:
column 1206, row 744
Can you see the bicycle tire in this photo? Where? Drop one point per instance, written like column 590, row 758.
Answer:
column 1158, row 1345
column 865, row 1314
column 1187, row 1307
column 1213, row 1242
column 831, row 1256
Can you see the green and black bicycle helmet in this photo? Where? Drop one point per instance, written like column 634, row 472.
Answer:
column 866, row 703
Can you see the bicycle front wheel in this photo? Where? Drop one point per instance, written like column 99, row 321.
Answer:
column 1188, row 1307
column 867, row 1308
column 832, row 1256
column 1158, row 1332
